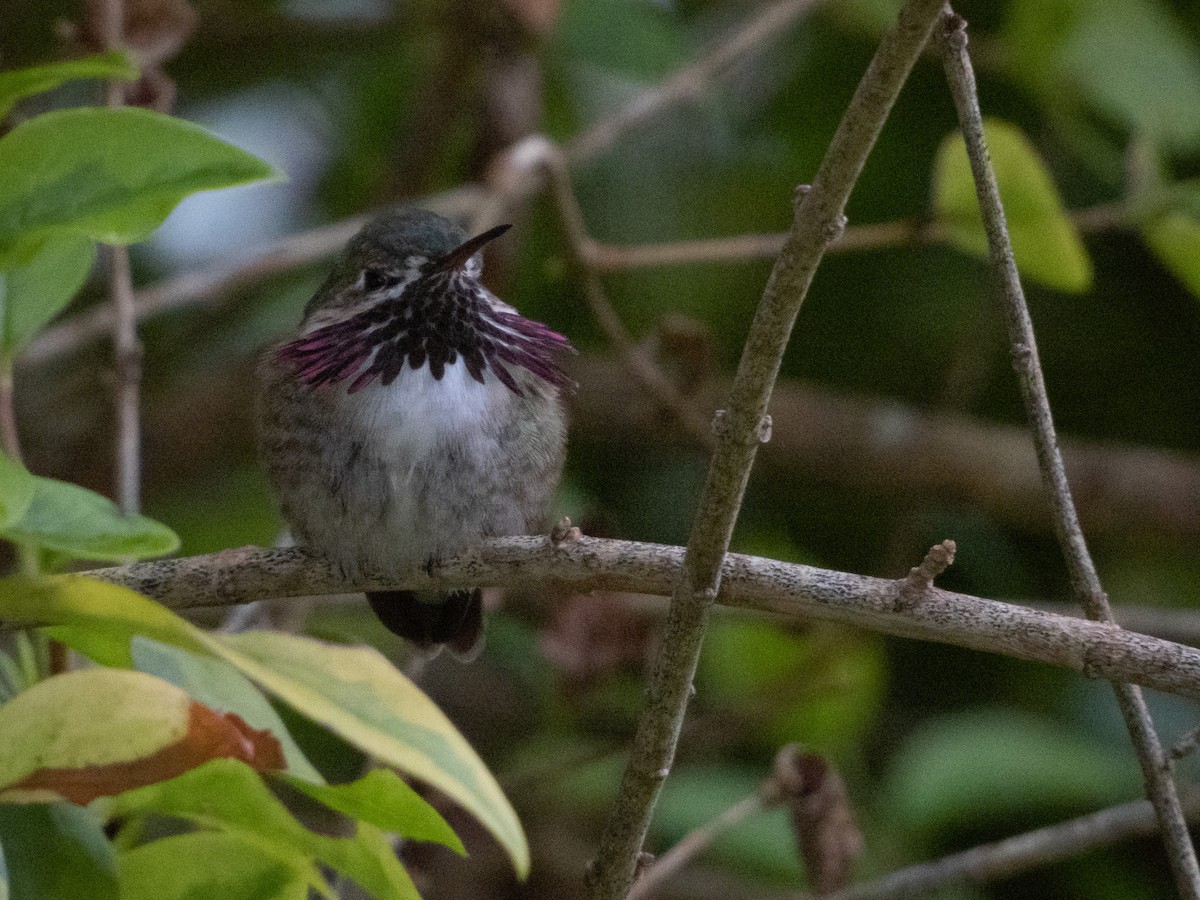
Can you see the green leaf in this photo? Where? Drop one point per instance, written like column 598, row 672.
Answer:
column 1175, row 239
column 81, row 523
column 108, row 174
column 1137, row 63
column 220, row 686
column 227, row 795
column 34, row 292
column 22, row 83
column 56, row 852
column 95, row 617
column 382, row 799
column 1045, row 243
column 1034, row 31
column 985, row 766
column 744, row 663
column 209, row 865
column 16, row 489
column 359, row 695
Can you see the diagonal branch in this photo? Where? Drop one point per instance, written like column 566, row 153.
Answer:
column 652, row 379
column 688, row 83
column 1020, row 853
column 1085, row 582
column 819, row 220
column 747, row 582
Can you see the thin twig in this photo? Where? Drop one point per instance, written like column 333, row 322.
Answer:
column 108, row 24
column 1011, row 856
column 740, row 248
column 128, row 360
column 747, row 582
column 1085, row 582
column 743, row 247
column 697, row 841
column 687, row 83
column 819, row 220
column 651, row 378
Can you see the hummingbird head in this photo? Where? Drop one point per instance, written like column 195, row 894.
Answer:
column 406, row 293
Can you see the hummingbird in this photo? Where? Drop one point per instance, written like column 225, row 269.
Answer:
column 412, row 415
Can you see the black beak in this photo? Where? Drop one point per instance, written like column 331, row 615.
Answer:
column 457, row 258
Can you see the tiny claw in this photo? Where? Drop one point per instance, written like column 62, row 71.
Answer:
column 564, row 532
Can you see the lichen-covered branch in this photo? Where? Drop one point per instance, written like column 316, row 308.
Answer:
column 747, row 582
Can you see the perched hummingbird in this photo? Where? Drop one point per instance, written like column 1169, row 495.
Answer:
column 413, row 415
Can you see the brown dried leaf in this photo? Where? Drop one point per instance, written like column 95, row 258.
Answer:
column 822, row 818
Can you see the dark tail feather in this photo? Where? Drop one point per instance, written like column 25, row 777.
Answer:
column 454, row 619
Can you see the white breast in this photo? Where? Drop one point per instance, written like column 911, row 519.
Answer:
column 416, row 415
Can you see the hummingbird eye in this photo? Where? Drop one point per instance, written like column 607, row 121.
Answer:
column 376, row 280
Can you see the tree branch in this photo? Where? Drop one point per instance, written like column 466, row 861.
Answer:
column 743, row 247
column 819, row 220
column 1084, row 580
column 747, row 582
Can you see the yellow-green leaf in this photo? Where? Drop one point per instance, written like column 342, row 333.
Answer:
column 382, row 799
column 1046, row 246
column 21, row 83
column 94, row 616
column 211, row 864
column 358, row 694
column 1175, row 239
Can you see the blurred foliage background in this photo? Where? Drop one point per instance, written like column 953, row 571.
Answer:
column 372, row 102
